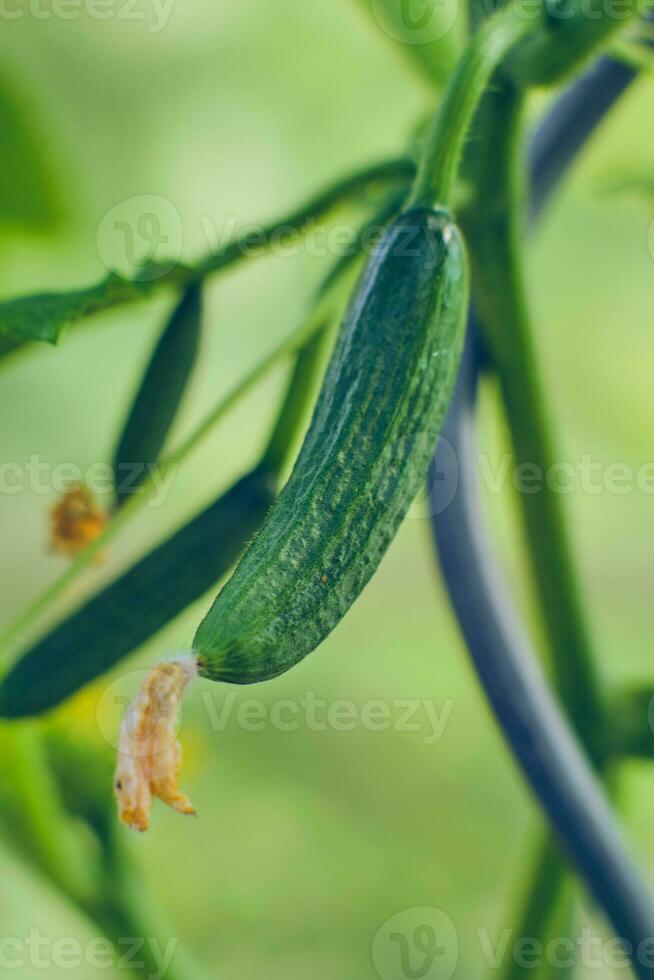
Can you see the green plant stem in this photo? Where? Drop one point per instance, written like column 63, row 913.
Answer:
column 289, row 346
column 495, row 243
column 569, row 34
column 243, row 246
column 439, row 164
column 401, row 169
column 542, row 897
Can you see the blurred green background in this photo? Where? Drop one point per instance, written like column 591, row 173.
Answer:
column 309, row 841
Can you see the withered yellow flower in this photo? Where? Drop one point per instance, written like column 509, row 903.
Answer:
column 76, row 521
column 149, row 752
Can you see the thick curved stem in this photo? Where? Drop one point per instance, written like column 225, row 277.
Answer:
column 439, row 164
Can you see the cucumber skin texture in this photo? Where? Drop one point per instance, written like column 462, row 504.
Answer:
column 364, row 458
column 140, row 602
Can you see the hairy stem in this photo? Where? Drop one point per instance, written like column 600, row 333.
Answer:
column 439, row 164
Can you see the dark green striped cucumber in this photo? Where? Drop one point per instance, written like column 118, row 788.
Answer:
column 363, row 460
column 157, row 401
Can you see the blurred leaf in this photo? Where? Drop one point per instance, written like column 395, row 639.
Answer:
column 44, row 316
column 157, row 401
column 140, row 602
column 27, row 196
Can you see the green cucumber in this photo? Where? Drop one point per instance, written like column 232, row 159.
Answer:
column 364, row 458
column 160, row 393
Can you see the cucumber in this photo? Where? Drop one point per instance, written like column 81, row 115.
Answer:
column 160, row 393
column 364, row 458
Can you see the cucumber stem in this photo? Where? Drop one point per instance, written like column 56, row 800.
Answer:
column 440, row 160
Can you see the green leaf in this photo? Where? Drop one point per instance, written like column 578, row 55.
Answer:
column 45, row 316
column 27, row 194
column 159, row 396
column 139, row 603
